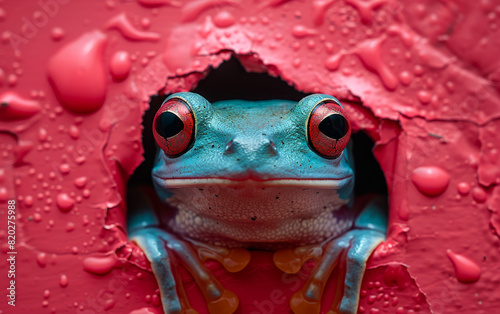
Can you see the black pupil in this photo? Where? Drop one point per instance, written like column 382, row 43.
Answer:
column 168, row 124
column 334, row 126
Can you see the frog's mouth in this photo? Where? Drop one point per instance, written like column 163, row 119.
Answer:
column 335, row 183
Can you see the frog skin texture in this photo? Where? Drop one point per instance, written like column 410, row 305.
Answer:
column 272, row 175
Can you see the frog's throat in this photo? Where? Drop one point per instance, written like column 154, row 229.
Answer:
column 334, row 184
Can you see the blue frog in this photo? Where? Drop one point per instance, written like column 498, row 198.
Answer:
column 270, row 175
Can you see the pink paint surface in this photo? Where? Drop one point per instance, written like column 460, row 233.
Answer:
column 420, row 77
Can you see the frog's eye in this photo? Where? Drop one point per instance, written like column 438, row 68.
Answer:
column 173, row 127
column 328, row 129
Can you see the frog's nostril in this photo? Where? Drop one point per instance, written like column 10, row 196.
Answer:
column 249, row 148
column 229, row 147
column 273, row 150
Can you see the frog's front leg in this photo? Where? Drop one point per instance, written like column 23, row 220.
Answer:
column 163, row 248
column 357, row 244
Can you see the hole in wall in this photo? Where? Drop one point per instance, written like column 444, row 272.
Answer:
column 231, row 81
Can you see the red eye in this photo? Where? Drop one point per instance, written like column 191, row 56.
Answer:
column 328, row 130
column 173, row 127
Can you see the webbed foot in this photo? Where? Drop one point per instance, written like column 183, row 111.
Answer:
column 159, row 246
column 355, row 247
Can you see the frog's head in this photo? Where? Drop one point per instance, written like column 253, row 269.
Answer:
column 253, row 152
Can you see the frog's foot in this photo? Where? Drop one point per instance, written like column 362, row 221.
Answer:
column 354, row 247
column 158, row 246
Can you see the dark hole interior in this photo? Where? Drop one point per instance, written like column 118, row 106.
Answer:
column 231, row 81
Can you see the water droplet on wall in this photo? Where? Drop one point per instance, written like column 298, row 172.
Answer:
column 63, row 281
column 41, row 259
column 371, row 55
column 80, row 182
column 466, row 270
column 99, row 265
column 405, row 77
column 479, row 195
column 431, row 181
column 224, row 19
column 77, row 74
column 300, row 31
column 463, row 188
column 122, row 24
column 333, row 62
column 57, row 33
column 424, row 97
column 64, row 202
column 120, row 65
column 15, row 107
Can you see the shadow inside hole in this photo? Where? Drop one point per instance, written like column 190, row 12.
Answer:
column 369, row 176
column 231, row 81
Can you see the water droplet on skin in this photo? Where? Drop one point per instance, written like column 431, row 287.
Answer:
column 431, row 181
column 99, row 265
column 77, row 73
column 224, row 19
column 479, row 195
column 466, row 270
column 64, row 202
column 15, row 107
column 63, row 281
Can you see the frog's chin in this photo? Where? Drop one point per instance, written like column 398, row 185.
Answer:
column 332, row 183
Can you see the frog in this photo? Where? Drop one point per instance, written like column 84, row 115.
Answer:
column 237, row 176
